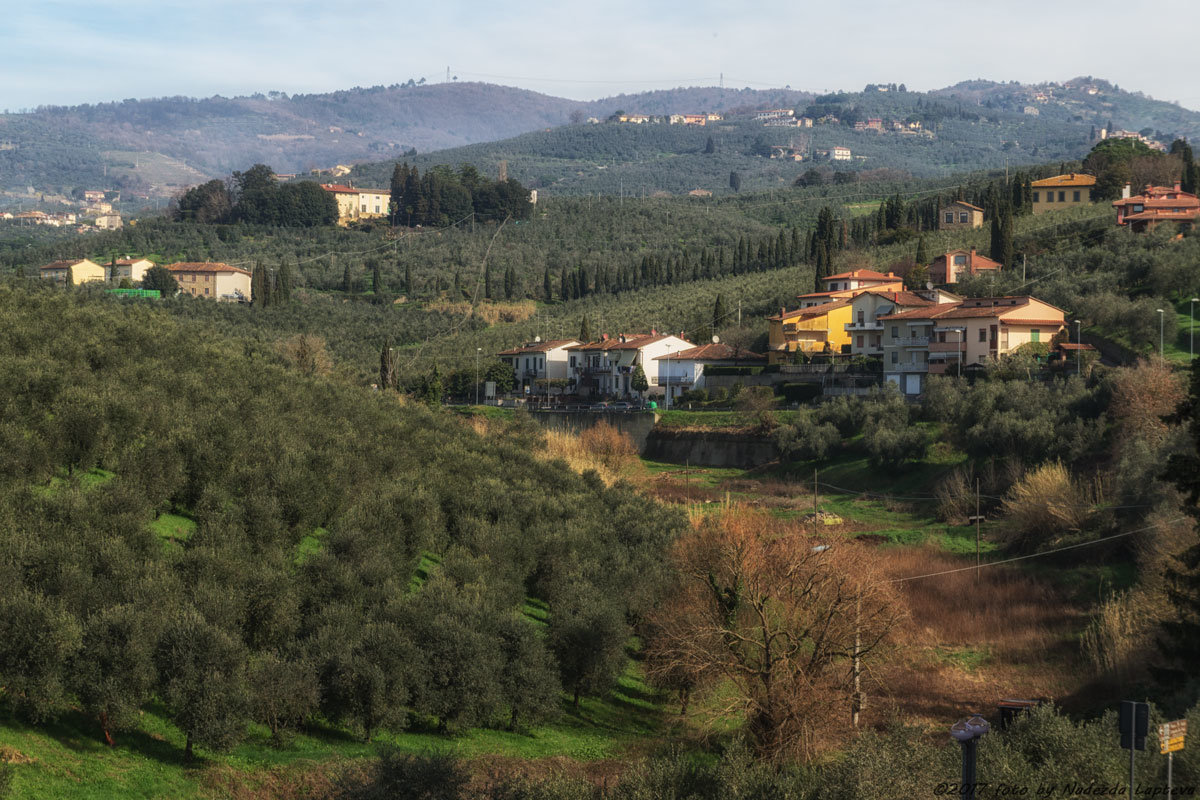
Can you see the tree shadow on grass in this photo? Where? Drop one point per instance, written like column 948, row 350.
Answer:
column 80, row 733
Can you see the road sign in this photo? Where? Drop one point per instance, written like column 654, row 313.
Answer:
column 1171, row 736
column 1134, row 720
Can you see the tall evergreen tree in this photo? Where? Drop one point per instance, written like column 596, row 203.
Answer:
column 564, row 289
column 585, row 330
column 387, row 367
column 376, row 280
column 284, row 295
column 408, row 284
column 487, row 282
column 922, row 256
column 718, row 317
column 347, row 279
column 258, row 292
column 547, row 286
column 510, row 283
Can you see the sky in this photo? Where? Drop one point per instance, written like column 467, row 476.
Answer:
column 64, row 52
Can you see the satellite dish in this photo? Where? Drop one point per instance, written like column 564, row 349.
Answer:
column 537, row 339
column 928, row 284
column 716, row 339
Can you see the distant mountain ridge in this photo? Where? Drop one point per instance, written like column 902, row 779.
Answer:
column 156, row 146
column 302, row 132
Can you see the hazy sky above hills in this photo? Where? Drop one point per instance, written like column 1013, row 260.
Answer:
column 73, row 51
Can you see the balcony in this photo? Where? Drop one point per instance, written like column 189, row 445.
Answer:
column 947, row 347
column 859, row 327
column 674, row 380
column 909, row 367
column 913, row 341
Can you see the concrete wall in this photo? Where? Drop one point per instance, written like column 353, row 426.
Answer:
column 637, row 424
column 709, row 448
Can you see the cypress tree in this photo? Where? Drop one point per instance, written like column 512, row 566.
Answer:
column 387, row 370
column 347, row 280
column 547, row 286
column 564, row 290
column 285, row 283
column 376, row 280
column 258, row 294
column 408, row 286
column 1007, row 256
column 922, row 256
column 585, row 330
column 487, row 282
column 510, row 283
column 718, row 313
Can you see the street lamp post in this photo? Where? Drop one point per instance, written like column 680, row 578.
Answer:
column 604, row 365
column 667, row 391
column 478, row 350
column 1079, row 347
column 967, row 733
column 1161, row 317
column 1192, row 330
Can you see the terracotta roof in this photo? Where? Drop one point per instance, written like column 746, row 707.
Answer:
column 338, row 188
column 935, row 312
column 1073, row 179
column 966, row 204
column 631, row 342
column 1073, row 346
column 900, row 298
column 129, row 262
column 538, row 347
column 718, row 351
column 64, row 264
column 811, row 311
column 863, row 274
column 1163, row 215
column 205, row 266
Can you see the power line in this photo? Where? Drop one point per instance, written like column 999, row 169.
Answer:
column 1033, row 555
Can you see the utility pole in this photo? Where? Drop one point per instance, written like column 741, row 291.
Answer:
column 976, row 519
column 814, row 493
column 739, row 313
column 856, row 703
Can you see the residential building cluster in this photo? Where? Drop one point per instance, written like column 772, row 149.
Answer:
column 211, row 280
column 699, row 120
column 355, row 204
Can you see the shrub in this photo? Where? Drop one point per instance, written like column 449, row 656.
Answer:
column 806, row 440
column 890, row 445
column 1043, row 507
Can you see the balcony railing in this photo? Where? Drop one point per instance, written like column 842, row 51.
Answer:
column 864, row 326
column 913, row 341
column 947, row 347
column 674, row 380
column 909, row 367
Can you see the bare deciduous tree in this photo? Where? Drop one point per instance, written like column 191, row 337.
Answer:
column 780, row 623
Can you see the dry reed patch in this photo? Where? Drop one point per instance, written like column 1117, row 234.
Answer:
column 999, row 607
column 491, row 313
column 278, row 783
column 602, row 448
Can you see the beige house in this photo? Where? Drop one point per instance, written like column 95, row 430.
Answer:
column 133, row 269
column 865, row 328
column 73, row 271
column 1062, row 191
column 960, row 214
column 109, row 222
column 214, row 281
column 951, row 267
column 952, row 336
column 354, row 204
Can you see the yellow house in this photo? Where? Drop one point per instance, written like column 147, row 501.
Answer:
column 1062, row 191
column 812, row 330
column 133, row 269
column 214, row 281
column 354, row 204
column 74, row 271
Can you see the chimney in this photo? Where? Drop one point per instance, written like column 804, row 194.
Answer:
column 782, row 311
column 1125, row 192
column 604, row 337
column 1178, row 186
column 653, row 332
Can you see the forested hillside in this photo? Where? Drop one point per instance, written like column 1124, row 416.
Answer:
column 62, row 147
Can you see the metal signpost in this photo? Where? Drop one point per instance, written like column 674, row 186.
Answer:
column 1134, row 721
column 1170, row 739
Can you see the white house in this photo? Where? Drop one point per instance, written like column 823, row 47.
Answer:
column 608, row 366
column 538, row 360
column 685, row 370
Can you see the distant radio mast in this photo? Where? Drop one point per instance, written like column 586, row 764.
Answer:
column 722, row 80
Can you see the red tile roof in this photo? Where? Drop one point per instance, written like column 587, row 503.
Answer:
column 934, row 312
column 901, row 298
column 64, row 264
column 205, row 266
column 635, row 342
column 538, row 347
column 811, row 311
column 966, row 204
column 861, row 274
column 1073, row 179
column 338, row 188
column 717, row 351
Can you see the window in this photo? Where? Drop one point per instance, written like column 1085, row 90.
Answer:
column 960, row 261
column 206, row 290
column 1049, row 197
column 962, row 216
column 1076, row 198
column 949, row 216
column 1037, row 198
column 895, row 332
column 377, row 207
column 1035, row 335
column 895, row 356
column 860, row 341
column 572, row 362
column 983, row 334
column 364, row 208
column 1062, row 197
